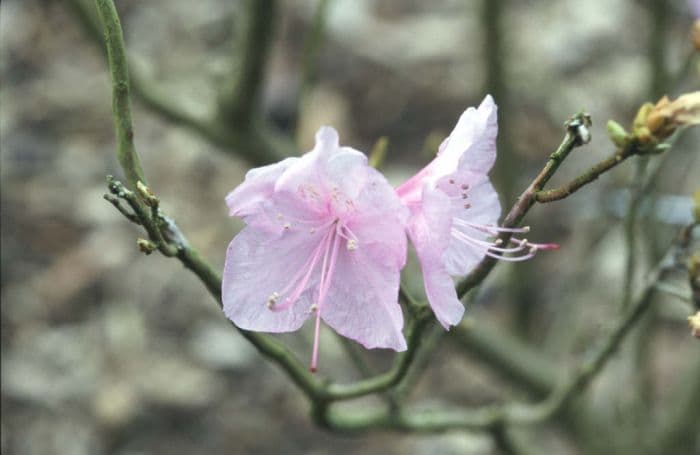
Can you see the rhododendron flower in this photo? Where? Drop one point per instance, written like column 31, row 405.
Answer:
column 325, row 236
column 455, row 210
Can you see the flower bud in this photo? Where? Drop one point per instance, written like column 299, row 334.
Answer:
column 146, row 246
column 667, row 116
column 617, row 133
column 148, row 197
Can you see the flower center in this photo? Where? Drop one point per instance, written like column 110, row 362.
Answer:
column 325, row 256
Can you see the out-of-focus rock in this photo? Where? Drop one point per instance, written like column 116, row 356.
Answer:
column 217, row 345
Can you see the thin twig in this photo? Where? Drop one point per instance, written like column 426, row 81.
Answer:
column 257, row 142
column 239, row 98
column 576, row 134
column 508, row 355
column 492, row 416
column 312, row 47
column 121, row 109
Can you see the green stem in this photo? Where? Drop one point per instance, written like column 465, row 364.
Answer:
column 523, row 364
column 258, row 143
column 239, row 99
column 313, row 43
column 492, row 416
column 564, row 191
column 119, row 72
column 387, row 380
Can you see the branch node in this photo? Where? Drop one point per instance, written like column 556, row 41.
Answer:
column 148, row 196
column 146, row 246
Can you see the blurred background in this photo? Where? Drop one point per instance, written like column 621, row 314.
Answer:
column 105, row 350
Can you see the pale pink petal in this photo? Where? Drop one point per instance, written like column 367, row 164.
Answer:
column 474, row 138
column 470, row 147
column 380, row 221
column 306, row 179
column 429, row 229
column 362, row 302
column 480, row 207
column 441, row 293
column 284, row 212
column 258, row 185
column 328, row 177
column 258, row 265
column 345, row 174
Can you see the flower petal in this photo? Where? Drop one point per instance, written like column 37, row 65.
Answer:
column 380, row 221
column 328, row 177
column 258, row 265
column 441, row 293
column 362, row 301
column 473, row 140
column 429, row 228
column 258, row 185
column 481, row 207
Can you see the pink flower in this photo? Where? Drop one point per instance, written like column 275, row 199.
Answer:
column 325, row 235
column 455, row 210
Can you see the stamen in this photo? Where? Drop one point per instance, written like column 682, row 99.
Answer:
column 301, row 285
column 488, row 245
column 492, row 250
column 272, row 299
column 510, row 258
column 491, row 230
column 352, row 245
column 326, row 277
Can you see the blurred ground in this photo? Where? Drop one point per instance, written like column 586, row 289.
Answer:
column 105, row 350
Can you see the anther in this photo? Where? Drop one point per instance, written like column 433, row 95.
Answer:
column 352, row 245
column 465, row 186
column 464, row 195
column 452, row 181
column 272, row 300
column 498, row 242
column 313, row 308
column 287, row 225
column 279, row 216
column 467, row 206
column 526, row 229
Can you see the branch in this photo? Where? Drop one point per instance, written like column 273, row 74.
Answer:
column 258, row 143
column 493, row 416
column 594, row 363
column 312, row 47
column 387, row 380
column 121, row 110
column 576, row 134
column 508, row 355
column 592, row 174
column 239, row 99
